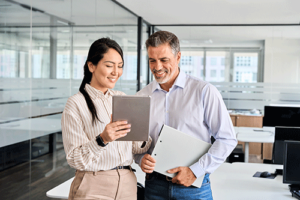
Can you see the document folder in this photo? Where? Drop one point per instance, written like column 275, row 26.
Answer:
column 177, row 149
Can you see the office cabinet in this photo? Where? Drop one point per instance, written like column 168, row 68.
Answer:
column 249, row 121
column 233, row 119
column 267, row 151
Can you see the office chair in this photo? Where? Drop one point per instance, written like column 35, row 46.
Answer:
column 140, row 191
column 282, row 134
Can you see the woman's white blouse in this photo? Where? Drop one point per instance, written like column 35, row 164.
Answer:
column 79, row 135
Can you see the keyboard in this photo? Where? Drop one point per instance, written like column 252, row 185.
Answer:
column 296, row 194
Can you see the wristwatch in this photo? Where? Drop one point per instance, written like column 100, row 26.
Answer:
column 100, row 142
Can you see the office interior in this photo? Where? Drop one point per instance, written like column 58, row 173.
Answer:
column 44, row 45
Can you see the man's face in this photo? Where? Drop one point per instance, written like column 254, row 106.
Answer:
column 163, row 63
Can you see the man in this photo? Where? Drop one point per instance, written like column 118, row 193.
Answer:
column 190, row 105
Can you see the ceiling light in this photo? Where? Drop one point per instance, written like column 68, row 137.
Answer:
column 5, row 5
column 61, row 22
column 185, row 41
column 209, row 41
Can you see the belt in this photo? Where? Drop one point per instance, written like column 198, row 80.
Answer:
column 95, row 173
column 122, row 167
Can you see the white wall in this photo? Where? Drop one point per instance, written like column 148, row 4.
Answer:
column 282, row 61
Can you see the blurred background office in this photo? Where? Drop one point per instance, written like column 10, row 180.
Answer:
column 250, row 50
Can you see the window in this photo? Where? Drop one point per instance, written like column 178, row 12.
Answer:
column 8, row 63
column 222, row 73
column 214, row 65
column 75, row 59
column 245, row 67
column 254, row 77
column 75, row 73
column 191, row 63
column 223, row 61
column 186, row 60
column 243, row 61
column 213, row 61
column 237, row 76
column 65, row 59
column 213, row 73
column 218, row 64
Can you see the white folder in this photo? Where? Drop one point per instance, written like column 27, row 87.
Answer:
column 177, row 149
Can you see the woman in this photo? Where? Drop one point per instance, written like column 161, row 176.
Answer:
column 102, row 164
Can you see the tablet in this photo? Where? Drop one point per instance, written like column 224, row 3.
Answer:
column 135, row 110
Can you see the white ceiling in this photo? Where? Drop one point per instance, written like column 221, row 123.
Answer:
column 89, row 12
column 97, row 18
column 104, row 12
column 79, row 12
column 231, row 35
column 216, row 11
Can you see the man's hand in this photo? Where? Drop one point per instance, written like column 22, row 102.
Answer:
column 148, row 163
column 184, row 177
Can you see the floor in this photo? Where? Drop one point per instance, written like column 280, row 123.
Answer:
column 28, row 180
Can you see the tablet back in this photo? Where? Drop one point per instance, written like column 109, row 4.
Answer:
column 136, row 110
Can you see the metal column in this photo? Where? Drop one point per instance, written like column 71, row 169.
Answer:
column 139, row 52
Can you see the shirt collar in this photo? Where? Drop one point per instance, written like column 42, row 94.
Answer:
column 180, row 82
column 181, row 79
column 94, row 93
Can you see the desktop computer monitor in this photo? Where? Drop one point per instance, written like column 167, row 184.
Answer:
column 291, row 165
column 281, row 116
column 282, row 134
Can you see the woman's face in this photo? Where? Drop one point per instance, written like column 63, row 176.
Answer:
column 107, row 72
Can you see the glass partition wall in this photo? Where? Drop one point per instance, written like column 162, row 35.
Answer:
column 44, row 45
column 252, row 66
column 43, row 48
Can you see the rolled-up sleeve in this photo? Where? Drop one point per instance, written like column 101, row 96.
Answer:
column 80, row 151
column 137, row 146
column 218, row 121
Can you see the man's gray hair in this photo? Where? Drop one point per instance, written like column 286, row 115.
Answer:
column 163, row 37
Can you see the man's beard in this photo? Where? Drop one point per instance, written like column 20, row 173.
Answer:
column 161, row 80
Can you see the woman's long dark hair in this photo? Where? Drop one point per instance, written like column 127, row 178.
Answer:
column 96, row 53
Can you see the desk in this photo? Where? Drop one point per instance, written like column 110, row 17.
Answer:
column 19, row 131
column 235, row 182
column 261, row 135
column 61, row 191
column 228, row 182
column 27, row 129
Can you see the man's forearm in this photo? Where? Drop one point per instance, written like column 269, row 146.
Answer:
column 138, row 158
